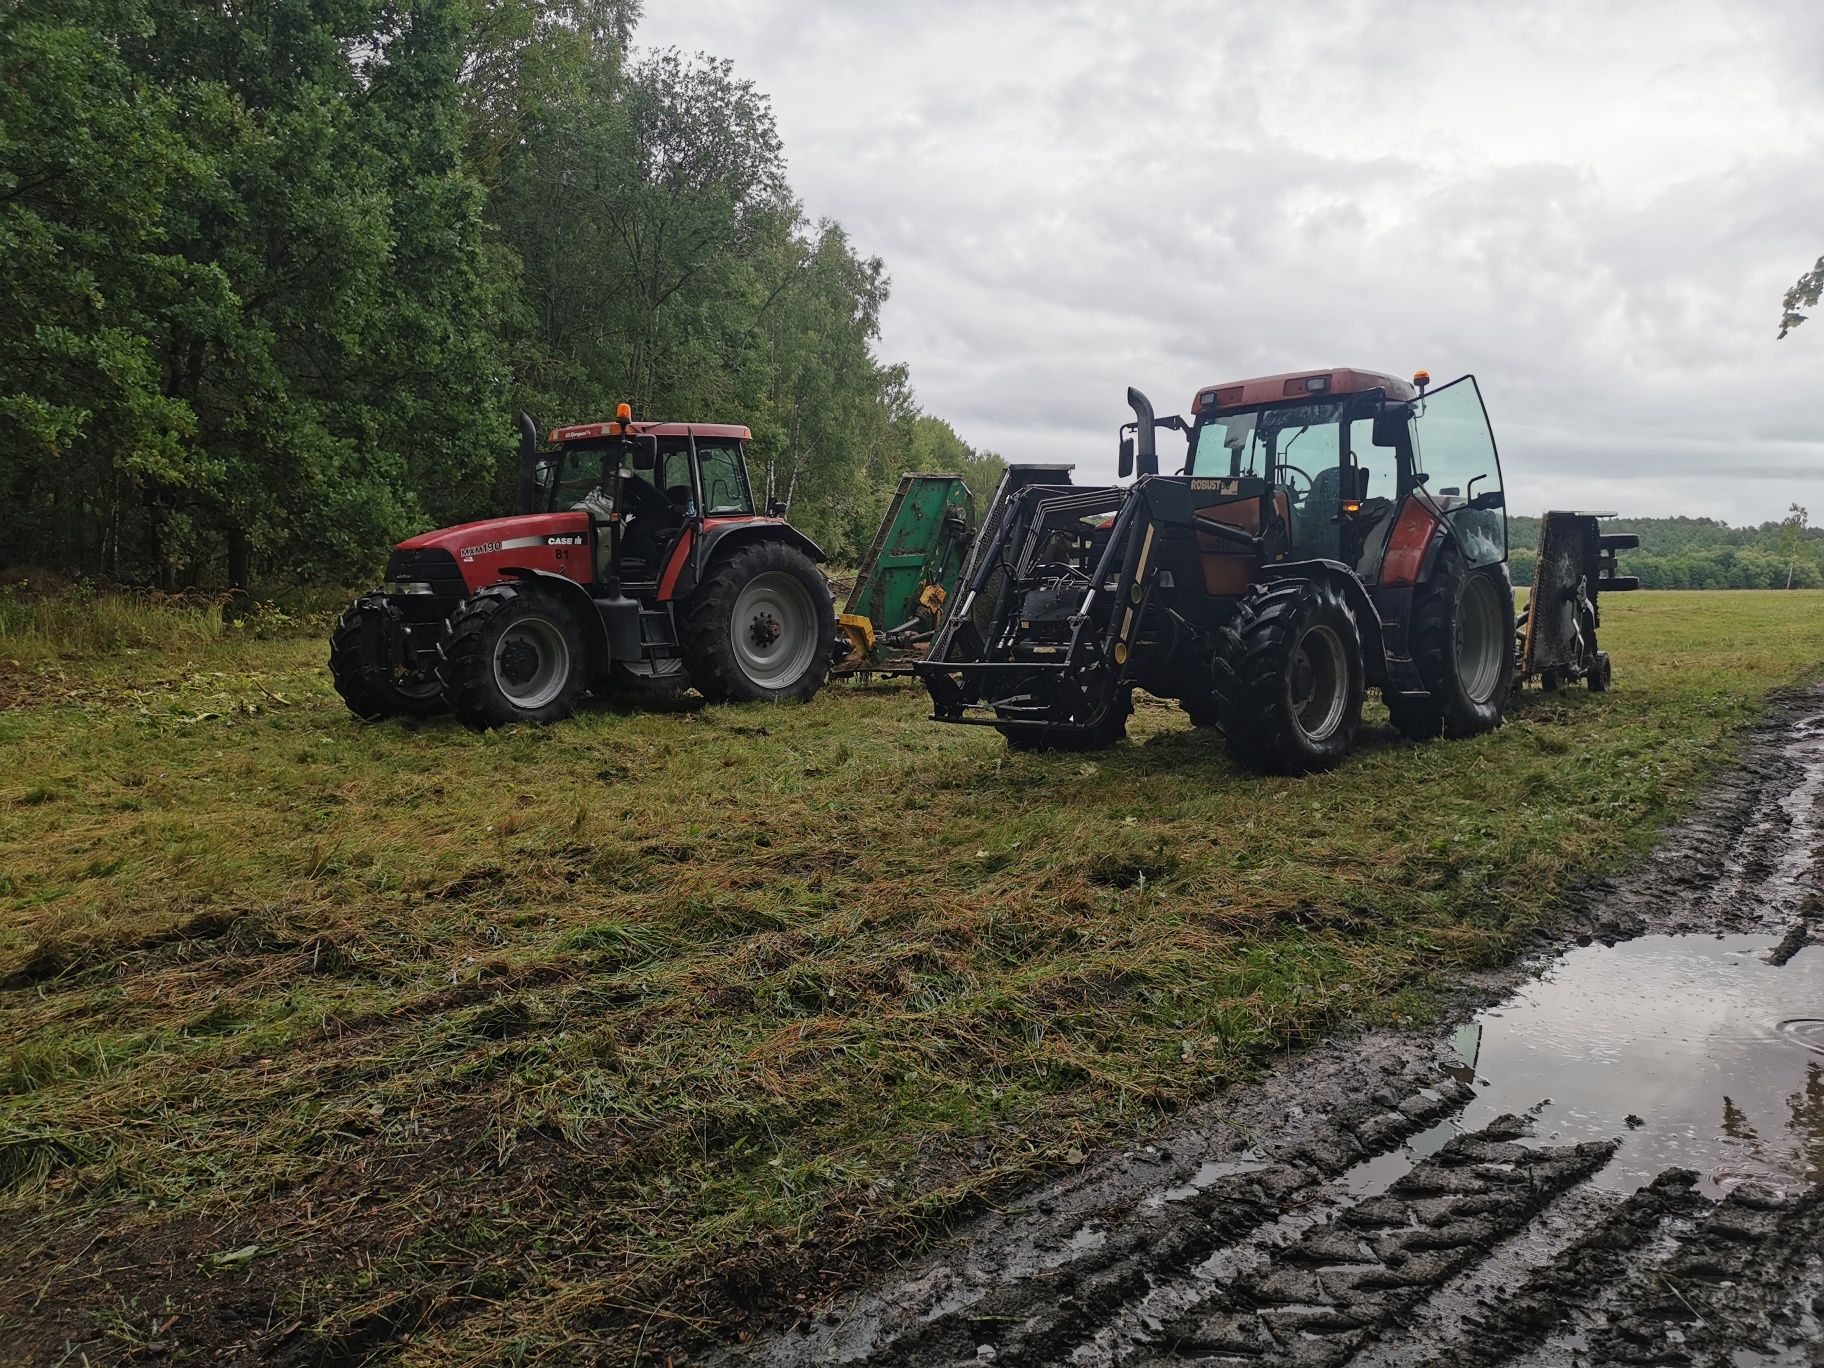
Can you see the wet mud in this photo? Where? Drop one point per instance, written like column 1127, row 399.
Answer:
column 1613, row 1156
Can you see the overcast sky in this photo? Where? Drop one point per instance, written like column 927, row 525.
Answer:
column 1594, row 206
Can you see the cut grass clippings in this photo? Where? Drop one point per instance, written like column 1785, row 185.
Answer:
column 604, row 1038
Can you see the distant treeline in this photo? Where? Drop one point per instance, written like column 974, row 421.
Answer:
column 277, row 277
column 1699, row 553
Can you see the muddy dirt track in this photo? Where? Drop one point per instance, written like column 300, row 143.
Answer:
column 1614, row 1156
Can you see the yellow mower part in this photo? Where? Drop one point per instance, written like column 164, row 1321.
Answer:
column 932, row 599
column 861, row 633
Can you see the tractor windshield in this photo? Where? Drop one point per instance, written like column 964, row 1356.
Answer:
column 566, row 478
column 1271, row 443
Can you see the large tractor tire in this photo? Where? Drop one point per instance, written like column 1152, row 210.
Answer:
column 761, row 627
column 513, row 653
column 1462, row 637
column 1105, row 733
column 367, row 685
column 1288, row 677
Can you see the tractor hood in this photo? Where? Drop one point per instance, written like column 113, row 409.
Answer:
column 467, row 541
column 557, row 543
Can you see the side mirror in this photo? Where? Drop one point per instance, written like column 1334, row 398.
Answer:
column 1126, row 466
column 775, row 508
column 1390, row 427
column 1495, row 498
column 645, row 453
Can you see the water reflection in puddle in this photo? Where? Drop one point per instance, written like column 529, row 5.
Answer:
column 1692, row 1050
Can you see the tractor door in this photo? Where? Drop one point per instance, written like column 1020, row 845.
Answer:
column 720, row 491
column 675, row 512
column 1378, row 467
column 1461, row 470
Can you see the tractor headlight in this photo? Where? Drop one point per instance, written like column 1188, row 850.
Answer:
column 407, row 587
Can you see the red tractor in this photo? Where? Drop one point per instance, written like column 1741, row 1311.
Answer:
column 1329, row 531
column 637, row 562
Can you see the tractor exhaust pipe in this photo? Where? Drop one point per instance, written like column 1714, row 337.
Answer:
column 528, row 463
column 1146, row 447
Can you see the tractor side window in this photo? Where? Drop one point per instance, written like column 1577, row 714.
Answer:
column 1456, row 450
column 725, row 491
column 673, row 478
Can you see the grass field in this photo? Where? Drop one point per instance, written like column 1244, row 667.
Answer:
column 403, row 1042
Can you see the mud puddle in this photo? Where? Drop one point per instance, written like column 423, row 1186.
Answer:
column 1693, row 1051
column 1615, row 1157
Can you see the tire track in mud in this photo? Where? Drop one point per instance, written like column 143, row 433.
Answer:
column 1333, row 1214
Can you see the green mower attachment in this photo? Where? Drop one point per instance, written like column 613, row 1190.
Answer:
column 909, row 575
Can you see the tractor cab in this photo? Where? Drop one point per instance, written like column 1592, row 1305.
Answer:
column 1360, row 466
column 649, row 488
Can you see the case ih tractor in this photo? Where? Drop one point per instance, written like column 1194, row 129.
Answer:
column 1331, row 531
column 637, row 562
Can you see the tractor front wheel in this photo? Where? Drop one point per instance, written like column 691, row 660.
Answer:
column 1288, row 677
column 513, row 653
column 1462, row 637
column 368, row 685
column 762, row 627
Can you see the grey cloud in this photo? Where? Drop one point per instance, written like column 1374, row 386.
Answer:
column 1594, row 208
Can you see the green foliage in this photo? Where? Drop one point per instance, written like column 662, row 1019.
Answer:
column 1803, row 295
column 1701, row 553
column 278, row 277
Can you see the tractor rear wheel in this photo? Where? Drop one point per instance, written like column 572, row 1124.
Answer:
column 513, row 653
column 762, row 627
column 1462, row 638
column 1288, row 677
column 367, row 685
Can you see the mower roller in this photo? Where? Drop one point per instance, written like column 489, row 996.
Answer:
column 1329, row 532
column 637, row 563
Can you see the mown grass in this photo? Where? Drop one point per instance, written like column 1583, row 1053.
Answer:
column 606, row 1037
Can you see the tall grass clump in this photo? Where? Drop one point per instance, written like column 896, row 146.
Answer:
column 81, row 620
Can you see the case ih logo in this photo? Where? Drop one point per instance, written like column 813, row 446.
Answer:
column 567, row 539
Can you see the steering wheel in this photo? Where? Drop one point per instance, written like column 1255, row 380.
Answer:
column 1293, row 493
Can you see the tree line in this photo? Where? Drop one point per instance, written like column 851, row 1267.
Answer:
column 278, row 274
column 1701, row 553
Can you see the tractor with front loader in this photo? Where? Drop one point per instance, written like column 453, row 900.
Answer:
column 637, row 562
column 1329, row 532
